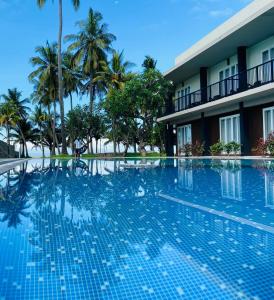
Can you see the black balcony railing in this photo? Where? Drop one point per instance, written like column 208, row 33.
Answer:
column 249, row 79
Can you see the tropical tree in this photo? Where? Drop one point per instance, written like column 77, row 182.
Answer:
column 14, row 96
column 39, row 119
column 149, row 63
column 90, row 47
column 76, row 4
column 23, row 132
column 120, row 118
column 148, row 91
column 45, row 79
column 72, row 77
column 76, row 124
column 9, row 116
column 115, row 73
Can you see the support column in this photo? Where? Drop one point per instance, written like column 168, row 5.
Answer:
column 204, row 133
column 203, row 84
column 169, row 104
column 245, row 145
column 242, row 67
column 169, row 139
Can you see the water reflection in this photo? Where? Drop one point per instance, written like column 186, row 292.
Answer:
column 92, row 230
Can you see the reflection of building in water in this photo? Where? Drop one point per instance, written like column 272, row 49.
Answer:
column 269, row 189
column 231, row 180
column 185, row 174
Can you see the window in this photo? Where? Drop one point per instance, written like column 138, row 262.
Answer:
column 230, row 129
column 231, row 84
column 268, row 120
column 267, row 56
column 184, row 136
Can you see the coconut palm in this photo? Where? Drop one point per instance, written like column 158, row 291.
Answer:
column 115, row 73
column 72, row 77
column 76, row 4
column 15, row 96
column 23, row 133
column 45, row 79
column 90, row 47
column 39, row 118
column 9, row 116
column 149, row 63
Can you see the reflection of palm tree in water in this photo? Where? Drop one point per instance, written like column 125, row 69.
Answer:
column 70, row 243
column 14, row 196
column 113, row 219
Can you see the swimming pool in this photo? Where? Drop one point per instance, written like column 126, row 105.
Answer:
column 183, row 229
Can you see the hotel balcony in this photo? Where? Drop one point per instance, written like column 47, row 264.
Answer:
column 252, row 78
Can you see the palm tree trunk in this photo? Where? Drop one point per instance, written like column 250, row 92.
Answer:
column 26, row 147
column 91, row 145
column 91, row 95
column 71, row 104
column 96, row 146
column 23, row 151
column 24, row 142
column 60, row 80
column 8, row 139
column 53, row 130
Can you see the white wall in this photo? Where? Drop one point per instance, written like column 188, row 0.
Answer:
column 213, row 72
column 254, row 58
column 193, row 82
column 254, row 53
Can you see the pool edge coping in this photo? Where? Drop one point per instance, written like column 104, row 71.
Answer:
column 10, row 165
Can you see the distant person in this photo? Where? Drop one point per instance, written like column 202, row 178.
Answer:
column 78, row 146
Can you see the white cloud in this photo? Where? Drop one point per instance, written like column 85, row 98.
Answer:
column 216, row 8
column 221, row 13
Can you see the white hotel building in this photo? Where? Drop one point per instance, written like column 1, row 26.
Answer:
column 224, row 84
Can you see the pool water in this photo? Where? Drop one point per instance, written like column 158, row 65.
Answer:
column 180, row 229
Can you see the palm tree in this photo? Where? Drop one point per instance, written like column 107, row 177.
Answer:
column 149, row 63
column 9, row 116
column 39, row 118
column 76, row 4
column 13, row 95
column 90, row 47
column 115, row 73
column 45, row 79
column 22, row 133
column 72, row 77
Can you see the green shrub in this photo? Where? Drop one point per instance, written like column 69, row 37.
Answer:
column 217, row 148
column 232, row 147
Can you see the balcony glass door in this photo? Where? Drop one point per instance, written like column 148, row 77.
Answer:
column 266, row 67
column 230, row 129
column 184, row 136
column 268, row 119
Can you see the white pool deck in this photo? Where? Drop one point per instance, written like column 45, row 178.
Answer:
column 9, row 163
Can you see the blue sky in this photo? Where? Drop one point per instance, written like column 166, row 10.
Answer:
column 160, row 28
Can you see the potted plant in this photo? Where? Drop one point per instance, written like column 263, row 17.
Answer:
column 216, row 149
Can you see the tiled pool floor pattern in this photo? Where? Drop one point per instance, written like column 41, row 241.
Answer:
column 105, row 233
